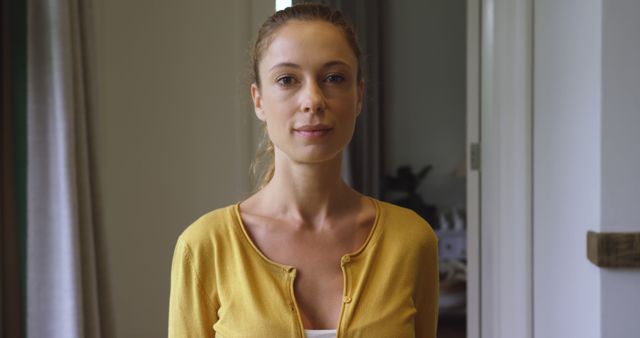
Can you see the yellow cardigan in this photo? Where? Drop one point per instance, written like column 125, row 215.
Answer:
column 223, row 286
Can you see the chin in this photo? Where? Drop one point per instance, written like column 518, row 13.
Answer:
column 316, row 157
column 313, row 153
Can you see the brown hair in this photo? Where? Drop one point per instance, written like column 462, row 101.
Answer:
column 263, row 165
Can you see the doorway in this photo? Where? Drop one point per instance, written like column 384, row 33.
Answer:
column 431, row 91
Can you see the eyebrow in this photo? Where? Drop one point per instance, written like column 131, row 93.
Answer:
column 295, row 65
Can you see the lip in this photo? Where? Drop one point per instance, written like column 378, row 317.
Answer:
column 313, row 127
column 313, row 131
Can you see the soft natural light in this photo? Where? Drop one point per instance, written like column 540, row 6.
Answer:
column 282, row 4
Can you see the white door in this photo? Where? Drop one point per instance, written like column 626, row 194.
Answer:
column 500, row 288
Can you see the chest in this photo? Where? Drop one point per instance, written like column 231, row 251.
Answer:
column 316, row 256
column 312, row 296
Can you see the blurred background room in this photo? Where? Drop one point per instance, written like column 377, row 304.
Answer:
column 510, row 125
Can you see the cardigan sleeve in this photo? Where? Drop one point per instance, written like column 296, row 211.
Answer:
column 192, row 308
column 427, row 290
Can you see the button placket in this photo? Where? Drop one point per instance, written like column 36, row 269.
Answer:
column 287, row 285
column 346, row 260
column 289, row 277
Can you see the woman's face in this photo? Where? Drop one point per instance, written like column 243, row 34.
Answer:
column 309, row 94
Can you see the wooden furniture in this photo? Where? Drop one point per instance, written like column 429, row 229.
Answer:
column 614, row 250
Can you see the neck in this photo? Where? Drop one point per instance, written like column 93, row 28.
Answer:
column 309, row 192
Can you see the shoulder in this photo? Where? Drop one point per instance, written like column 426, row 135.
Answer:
column 407, row 224
column 209, row 230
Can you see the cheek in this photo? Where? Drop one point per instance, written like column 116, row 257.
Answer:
column 349, row 99
column 351, row 128
column 279, row 113
column 349, row 108
column 278, row 101
column 277, row 123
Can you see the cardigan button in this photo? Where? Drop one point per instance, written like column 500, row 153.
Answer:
column 346, row 299
column 346, row 259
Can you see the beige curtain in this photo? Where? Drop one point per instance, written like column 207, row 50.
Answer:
column 64, row 274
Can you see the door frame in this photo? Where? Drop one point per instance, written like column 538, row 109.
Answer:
column 499, row 118
column 473, row 174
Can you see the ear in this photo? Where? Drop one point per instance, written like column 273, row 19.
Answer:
column 257, row 102
column 361, row 87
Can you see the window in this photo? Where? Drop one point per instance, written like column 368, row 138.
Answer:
column 282, row 4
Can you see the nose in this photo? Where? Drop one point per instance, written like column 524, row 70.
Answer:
column 313, row 100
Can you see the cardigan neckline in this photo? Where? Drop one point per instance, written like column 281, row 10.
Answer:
column 239, row 223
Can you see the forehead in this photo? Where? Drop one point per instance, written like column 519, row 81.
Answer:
column 303, row 42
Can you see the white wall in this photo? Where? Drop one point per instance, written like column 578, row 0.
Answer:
column 173, row 136
column 620, row 288
column 567, row 136
column 587, row 159
column 424, row 53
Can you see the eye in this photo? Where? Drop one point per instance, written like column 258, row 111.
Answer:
column 286, row 80
column 335, row 78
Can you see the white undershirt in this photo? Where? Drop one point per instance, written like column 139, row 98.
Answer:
column 320, row 333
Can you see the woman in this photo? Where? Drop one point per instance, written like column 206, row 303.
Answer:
column 306, row 255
